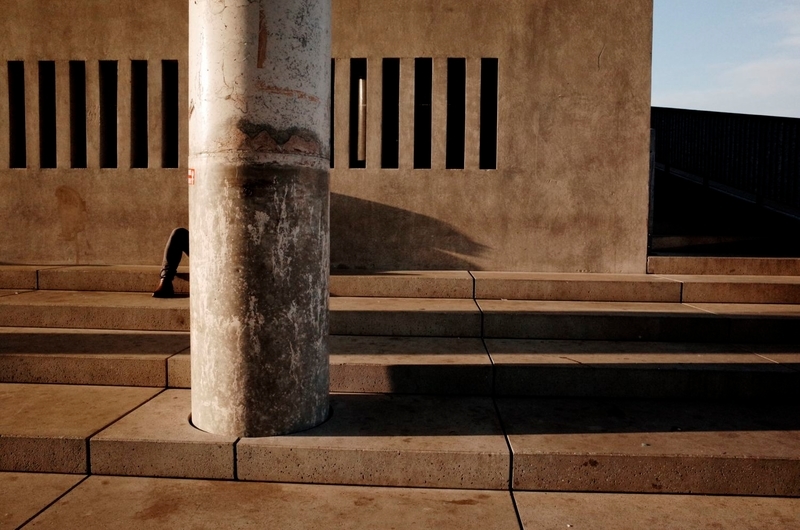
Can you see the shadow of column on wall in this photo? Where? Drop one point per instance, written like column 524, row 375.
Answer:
column 374, row 236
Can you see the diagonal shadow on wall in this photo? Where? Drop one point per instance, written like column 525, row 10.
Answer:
column 374, row 236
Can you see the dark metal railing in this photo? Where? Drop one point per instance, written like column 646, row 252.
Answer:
column 756, row 158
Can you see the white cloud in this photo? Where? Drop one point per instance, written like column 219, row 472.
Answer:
column 768, row 85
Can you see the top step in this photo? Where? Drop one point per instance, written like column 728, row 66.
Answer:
column 715, row 265
column 481, row 285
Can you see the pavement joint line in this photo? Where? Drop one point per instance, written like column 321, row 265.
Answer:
column 474, row 286
column 89, row 438
column 510, row 459
column 516, row 508
column 767, row 358
column 47, row 507
column 699, row 308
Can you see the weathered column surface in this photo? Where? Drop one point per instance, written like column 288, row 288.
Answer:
column 258, row 212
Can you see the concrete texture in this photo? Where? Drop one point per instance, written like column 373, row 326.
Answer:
column 90, row 357
column 740, row 289
column 388, row 441
column 404, row 316
column 84, row 369
column 599, row 321
column 653, row 446
column 562, row 140
column 18, row 276
column 179, row 371
column 158, row 439
column 576, row 287
column 402, row 284
column 573, row 129
column 44, row 428
column 23, row 495
column 554, row 368
column 258, row 209
column 74, row 309
column 656, row 512
column 118, row 278
column 691, row 265
column 410, row 365
column 123, row 502
column 80, row 216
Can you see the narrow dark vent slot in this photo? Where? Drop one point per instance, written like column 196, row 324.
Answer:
column 77, row 113
column 17, row 144
column 456, row 112
column 47, row 114
column 390, row 115
column 423, row 92
column 139, row 156
column 333, row 114
column 108, row 114
column 488, row 132
column 170, row 105
column 358, row 78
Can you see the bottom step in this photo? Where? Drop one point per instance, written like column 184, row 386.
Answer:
column 418, row 441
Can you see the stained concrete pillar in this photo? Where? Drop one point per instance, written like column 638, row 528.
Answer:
column 258, row 212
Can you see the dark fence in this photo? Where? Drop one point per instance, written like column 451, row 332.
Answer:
column 756, row 158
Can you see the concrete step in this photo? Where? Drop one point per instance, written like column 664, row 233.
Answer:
column 417, row 441
column 122, row 502
column 429, row 365
column 144, row 278
column 720, row 265
column 640, row 321
column 722, row 288
column 437, row 317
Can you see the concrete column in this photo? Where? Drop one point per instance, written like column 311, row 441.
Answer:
column 259, row 85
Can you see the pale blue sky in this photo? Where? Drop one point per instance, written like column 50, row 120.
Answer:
column 727, row 55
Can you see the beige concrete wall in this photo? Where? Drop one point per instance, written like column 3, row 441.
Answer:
column 569, row 194
column 570, row 191
column 92, row 215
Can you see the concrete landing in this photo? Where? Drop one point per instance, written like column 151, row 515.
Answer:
column 583, row 511
column 136, row 503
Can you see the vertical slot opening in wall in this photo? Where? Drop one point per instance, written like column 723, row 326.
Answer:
column 139, row 158
column 47, row 114
column 170, row 104
column 108, row 114
column 358, row 122
column 456, row 112
column 332, row 107
column 489, row 97
column 77, row 113
column 17, row 144
column 390, row 115
column 423, row 92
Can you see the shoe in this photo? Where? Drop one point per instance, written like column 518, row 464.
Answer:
column 164, row 289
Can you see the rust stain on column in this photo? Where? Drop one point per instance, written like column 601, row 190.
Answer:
column 262, row 38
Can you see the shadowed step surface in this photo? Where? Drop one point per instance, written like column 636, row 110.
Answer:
column 653, row 446
column 643, row 369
